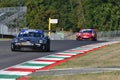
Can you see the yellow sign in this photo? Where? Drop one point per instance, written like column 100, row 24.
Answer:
column 51, row 21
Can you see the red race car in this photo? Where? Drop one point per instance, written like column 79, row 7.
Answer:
column 86, row 34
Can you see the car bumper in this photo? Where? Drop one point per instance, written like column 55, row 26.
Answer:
column 35, row 46
column 86, row 38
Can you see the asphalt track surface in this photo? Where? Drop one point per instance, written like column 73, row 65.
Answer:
column 9, row 58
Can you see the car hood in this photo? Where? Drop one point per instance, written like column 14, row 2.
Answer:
column 31, row 39
column 86, row 34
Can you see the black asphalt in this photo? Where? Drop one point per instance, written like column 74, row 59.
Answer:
column 9, row 58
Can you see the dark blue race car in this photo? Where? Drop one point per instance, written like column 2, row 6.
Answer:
column 31, row 39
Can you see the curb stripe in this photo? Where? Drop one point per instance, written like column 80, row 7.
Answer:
column 40, row 62
column 14, row 73
column 80, row 50
column 9, row 76
column 20, row 69
column 74, row 50
column 59, row 62
column 7, row 79
column 28, row 67
column 31, row 64
column 46, row 60
column 65, row 54
column 50, row 56
column 57, row 59
column 60, row 54
column 69, row 52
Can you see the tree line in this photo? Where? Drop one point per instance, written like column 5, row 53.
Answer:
column 71, row 14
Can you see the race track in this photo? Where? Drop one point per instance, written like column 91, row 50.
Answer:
column 9, row 58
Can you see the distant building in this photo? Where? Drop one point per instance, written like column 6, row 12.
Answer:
column 10, row 16
column 3, row 29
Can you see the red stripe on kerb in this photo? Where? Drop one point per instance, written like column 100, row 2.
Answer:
column 21, row 69
column 59, row 62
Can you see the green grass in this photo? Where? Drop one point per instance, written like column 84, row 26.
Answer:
column 5, row 38
column 108, row 56
column 90, row 76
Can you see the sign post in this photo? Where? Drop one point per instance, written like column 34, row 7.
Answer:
column 51, row 21
column 49, row 27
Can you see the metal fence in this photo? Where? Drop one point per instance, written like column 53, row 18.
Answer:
column 101, row 36
column 108, row 35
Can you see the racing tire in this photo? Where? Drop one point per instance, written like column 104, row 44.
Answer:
column 78, row 39
column 47, row 46
column 94, row 39
column 13, row 48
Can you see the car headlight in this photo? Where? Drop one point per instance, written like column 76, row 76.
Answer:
column 93, row 34
column 79, row 34
column 40, row 41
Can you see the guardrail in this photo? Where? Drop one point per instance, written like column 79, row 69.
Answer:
column 103, row 35
column 6, row 36
column 108, row 35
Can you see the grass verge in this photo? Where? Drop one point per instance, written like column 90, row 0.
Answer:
column 108, row 56
column 90, row 76
column 5, row 38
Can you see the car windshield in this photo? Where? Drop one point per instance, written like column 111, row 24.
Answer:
column 87, row 31
column 30, row 34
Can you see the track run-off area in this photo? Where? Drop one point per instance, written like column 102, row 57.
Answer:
column 14, row 65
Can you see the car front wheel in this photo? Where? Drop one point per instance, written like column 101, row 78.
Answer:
column 47, row 46
column 13, row 48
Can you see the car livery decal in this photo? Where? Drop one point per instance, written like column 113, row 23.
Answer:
column 18, row 72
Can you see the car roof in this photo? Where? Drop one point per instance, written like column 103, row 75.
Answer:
column 31, row 30
column 86, row 29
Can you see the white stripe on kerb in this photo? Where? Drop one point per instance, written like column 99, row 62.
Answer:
column 66, row 53
column 14, row 73
column 73, row 51
column 59, row 56
column 44, row 58
column 28, row 67
column 81, row 50
column 40, row 62
column 6, row 79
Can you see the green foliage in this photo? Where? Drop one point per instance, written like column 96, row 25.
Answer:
column 102, row 14
column 71, row 14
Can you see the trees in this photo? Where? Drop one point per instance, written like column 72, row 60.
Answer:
column 40, row 10
column 71, row 14
column 102, row 14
